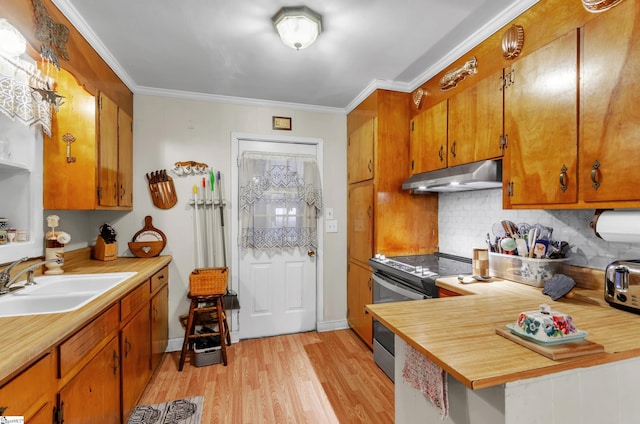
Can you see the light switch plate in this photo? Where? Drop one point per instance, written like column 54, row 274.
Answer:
column 331, row 225
column 328, row 213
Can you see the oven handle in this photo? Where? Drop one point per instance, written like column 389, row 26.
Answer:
column 402, row 291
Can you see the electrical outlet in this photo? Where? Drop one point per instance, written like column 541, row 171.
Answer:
column 331, row 225
column 328, row 213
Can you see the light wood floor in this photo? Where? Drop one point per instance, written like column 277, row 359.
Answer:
column 327, row 377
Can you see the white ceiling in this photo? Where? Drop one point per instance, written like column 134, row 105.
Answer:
column 228, row 49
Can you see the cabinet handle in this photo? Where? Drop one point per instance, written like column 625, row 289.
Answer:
column 369, row 211
column 369, row 166
column 127, row 347
column 122, row 191
column 155, row 312
column 453, row 148
column 563, row 178
column 116, row 362
column 370, row 282
column 115, row 192
column 441, row 153
column 594, row 175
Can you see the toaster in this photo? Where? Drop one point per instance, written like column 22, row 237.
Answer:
column 622, row 285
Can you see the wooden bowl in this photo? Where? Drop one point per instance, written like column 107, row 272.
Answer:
column 146, row 249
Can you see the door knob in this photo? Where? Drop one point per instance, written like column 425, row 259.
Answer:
column 311, row 253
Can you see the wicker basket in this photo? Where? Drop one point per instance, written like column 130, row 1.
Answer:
column 208, row 281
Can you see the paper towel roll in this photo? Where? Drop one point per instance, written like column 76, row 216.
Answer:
column 617, row 225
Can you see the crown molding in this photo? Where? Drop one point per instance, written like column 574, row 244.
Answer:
column 245, row 101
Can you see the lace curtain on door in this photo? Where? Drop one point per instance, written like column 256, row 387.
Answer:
column 280, row 200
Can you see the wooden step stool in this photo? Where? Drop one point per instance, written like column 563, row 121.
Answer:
column 207, row 287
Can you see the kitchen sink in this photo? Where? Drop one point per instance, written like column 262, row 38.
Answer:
column 54, row 294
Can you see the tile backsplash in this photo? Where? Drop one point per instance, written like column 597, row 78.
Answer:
column 464, row 219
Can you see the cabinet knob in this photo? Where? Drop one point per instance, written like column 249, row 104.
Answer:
column 594, row 175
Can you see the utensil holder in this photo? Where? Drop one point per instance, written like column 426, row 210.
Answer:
column 104, row 251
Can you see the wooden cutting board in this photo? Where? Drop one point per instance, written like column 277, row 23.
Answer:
column 555, row 352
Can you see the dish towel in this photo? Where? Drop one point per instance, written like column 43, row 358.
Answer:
column 423, row 374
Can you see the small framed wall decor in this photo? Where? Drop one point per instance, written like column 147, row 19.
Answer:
column 282, row 123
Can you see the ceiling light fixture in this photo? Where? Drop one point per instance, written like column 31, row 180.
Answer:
column 12, row 43
column 298, row 26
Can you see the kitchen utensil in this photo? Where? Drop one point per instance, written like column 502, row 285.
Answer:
column 224, row 249
column 498, row 230
column 509, row 228
column 196, row 222
column 108, row 233
column 621, row 284
column 149, row 241
column 508, row 245
column 523, row 229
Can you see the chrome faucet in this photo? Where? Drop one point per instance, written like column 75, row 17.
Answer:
column 6, row 281
column 5, row 275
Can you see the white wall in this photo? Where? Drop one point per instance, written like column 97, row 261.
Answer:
column 167, row 130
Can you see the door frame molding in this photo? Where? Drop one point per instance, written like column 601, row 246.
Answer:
column 233, row 217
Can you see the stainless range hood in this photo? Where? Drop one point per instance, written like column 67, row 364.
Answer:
column 471, row 176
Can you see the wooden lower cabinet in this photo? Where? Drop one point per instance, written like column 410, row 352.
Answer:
column 98, row 373
column 360, row 293
column 93, row 396
column 31, row 393
column 159, row 325
column 447, row 293
column 135, row 350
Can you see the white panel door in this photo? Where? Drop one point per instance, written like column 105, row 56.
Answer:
column 277, row 290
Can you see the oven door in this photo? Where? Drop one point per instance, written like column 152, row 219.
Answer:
column 388, row 289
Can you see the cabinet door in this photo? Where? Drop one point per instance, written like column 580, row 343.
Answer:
column 428, row 140
column 125, row 159
column 360, row 225
column 93, row 395
column 30, row 392
column 69, row 174
column 108, row 159
column 541, row 125
column 609, row 114
column 159, row 325
column 135, row 349
column 359, row 294
column 360, row 152
column 475, row 122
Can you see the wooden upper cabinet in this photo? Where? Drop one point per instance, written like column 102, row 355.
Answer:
column 475, row 122
column 541, row 125
column 88, row 161
column 360, row 152
column 360, row 222
column 610, row 117
column 69, row 169
column 108, row 165
column 125, row 159
column 116, row 155
column 428, row 139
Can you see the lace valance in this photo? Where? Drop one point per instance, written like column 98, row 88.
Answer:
column 280, row 198
column 18, row 99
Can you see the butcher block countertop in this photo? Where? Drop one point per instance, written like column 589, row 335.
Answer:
column 458, row 333
column 24, row 339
